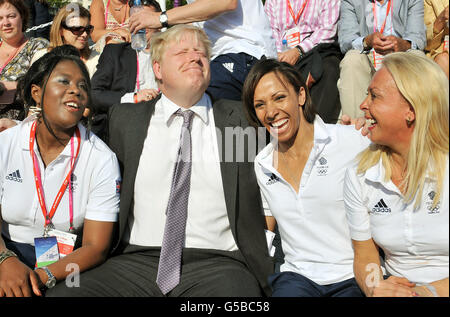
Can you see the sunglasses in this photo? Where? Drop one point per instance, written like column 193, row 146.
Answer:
column 78, row 30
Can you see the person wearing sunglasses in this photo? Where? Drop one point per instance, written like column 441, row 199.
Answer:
column 71, row 25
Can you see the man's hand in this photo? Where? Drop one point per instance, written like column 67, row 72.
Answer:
column 145, row 18
column 398, row 44
column 379, row 43
column 290, row 56
column 17, row 279
column 6, row 123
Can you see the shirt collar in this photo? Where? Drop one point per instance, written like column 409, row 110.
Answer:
column 25, row 128
column 200, row 108
column 321, row 137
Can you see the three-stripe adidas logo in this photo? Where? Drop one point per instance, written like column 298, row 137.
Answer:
column 272, row 180
column 381, row 207
column 14, row 176
column 229, row 67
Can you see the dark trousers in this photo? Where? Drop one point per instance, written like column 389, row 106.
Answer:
column 25, row 252
column 228, row 73
column 205, row 273
column 325, row 94
column 290, row 284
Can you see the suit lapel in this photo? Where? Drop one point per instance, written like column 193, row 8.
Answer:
column 225, row 119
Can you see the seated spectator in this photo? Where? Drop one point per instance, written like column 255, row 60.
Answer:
column 305, row 156
column 397, row 195
column 16, row 52
column 72, row 25
column 110, row 21
column 309, row 28
column 116, row 79
column 238, row 29
column 59, row 143
column 436, row 21
column 368, row 31
column 183, row 231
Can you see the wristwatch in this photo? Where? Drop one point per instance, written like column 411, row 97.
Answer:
column 6, row 254
column 164, row 19
column 366, row 46
column 51, row 281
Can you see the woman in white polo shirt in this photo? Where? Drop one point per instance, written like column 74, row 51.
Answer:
column 54, row 175
column 397, row 195
column 301, row 174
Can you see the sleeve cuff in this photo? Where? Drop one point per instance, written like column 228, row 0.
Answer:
column 102, row 215
column 127, row 98
column 357, row 44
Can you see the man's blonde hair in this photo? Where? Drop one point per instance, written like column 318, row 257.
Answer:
column 425, row 87
column 160, row 41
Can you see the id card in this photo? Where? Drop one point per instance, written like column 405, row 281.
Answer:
column 293, row 37
column 46, row 251
column 377, row 60
column 66, row 241
column 446, row 43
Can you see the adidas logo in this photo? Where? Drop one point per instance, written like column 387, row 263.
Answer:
column 272, row 180
column 381, row 207
column 432, row 194
column 14, row 176
column 229, row 67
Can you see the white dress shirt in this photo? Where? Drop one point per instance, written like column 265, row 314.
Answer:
column 415, row 241
column 207, row 224
column 312, row 224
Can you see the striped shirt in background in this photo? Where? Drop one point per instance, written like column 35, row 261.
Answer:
column 317, row 24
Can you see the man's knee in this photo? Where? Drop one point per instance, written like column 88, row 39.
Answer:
column 354, row 60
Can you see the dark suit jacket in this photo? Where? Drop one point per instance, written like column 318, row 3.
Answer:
column 128, row 126
column 115, row 76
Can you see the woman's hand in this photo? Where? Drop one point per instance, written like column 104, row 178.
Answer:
column 123, row 33
column 147, row 94
column 394, row 287
column 441, row 21
column 17, row 279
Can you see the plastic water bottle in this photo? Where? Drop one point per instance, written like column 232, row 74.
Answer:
column 285, row 46
column 138, row 40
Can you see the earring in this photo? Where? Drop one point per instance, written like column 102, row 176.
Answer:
column 35, row 110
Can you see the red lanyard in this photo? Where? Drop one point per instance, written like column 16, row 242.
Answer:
column 37, row 178
column 296, row 18
column 375, row 26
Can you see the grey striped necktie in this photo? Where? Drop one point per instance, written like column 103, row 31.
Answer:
column 176, row 214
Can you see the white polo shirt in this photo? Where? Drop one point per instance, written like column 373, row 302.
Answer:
column 95, row 183
column 415, row 242
column 313, row 229
column 244, row 30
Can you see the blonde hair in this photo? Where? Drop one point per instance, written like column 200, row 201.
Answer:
column 425, row 86
column 160, row 41
column 70, row 10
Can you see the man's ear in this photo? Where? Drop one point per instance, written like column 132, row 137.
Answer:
column 36, row 93
column 157, row 70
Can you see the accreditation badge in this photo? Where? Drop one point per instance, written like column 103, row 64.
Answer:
column 66, row 241
column 292, row 37
column 46, row 249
